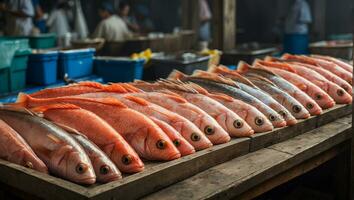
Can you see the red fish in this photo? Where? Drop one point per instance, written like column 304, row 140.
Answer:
column 338, row 62
column 147, row 139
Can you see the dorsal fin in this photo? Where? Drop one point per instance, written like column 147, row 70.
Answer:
column 88, row 84
column 221, row 96
column 214, row 77
column 263, row 69
column 131, row 88
column 107, row 101
column 117, row 88
column 174, row 96
column 243, row 67
column 233, row 75
column 198, row 88
column 260, row 78
column 278, row 65
column 176, row 85
column 176, row 75
column 18, row 108
column 69, row 129
column 137, row 100
column 42, row 109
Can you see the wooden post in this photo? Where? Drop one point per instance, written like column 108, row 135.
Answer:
column 319, row 20
column 190, row 14
column 224, row 24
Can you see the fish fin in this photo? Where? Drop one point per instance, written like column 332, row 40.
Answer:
column 174, row 96
column 116, row 88
column 131, row 88
column 214, row 77
column 243, row 67
column 88, row 84
column 176, row 85
column 137, row 100
column 107, row 101
column 283, row 66
column 262, row 79
column 221, row 96
column 234, row 75
column 19, row 108
column 54, row 138
column 301, row 86
column 69, row 129
column 198, row 88
column 42, row 109
column 22, row 99
column 176, row 75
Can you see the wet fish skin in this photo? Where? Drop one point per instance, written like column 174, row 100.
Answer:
column 338, row 62
column 284, row 85
column 62, row 155
column 98, row 131
column 316, row 93
column 236, row 93
column 147, row 139
column 186, row 128
column 105, row 169
column 15, row 149
column 289, row 102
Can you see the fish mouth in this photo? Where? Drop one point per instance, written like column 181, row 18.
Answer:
column 291, row 122
column 304, row 116
column 329, row 105
column 87, row 181
column 134, row 169
column 174, row 156
column 279, row 124
column 222, row 139
column 316, row 112
column 186, row 153
column 110, row 178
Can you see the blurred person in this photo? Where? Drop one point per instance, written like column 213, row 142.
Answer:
column 123, row 12
column 143, row 19
column 18, row 17
column 296, row 39
column 38, row 19
column 205, row 19
column 58, row 21
column 112, row 27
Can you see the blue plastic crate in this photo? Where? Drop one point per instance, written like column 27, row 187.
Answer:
column 119, row 69
column 76, row 63
column 42, row 68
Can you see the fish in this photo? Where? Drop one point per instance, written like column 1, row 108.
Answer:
column 332, row 89
column 186, row 128
column 329, row 76
column 69, row 90
column 163, row 118
column 229, row 87
column 338, row 62
column 253, row 90
column 96, row 130
column 289, row 102
column 227, row 120
column 105, row 169
column 302, row 97
column 63, row 156
column 330, row 66
column 15, row 149
column 315, row 92
column 147, row 139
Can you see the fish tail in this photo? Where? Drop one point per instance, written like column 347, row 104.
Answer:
column 243, row 67
column 22, row 100
column 176, row 75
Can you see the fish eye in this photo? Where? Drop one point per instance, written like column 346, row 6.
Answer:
column 340, row 92
column 161, row 144
column 104, row 169
column 29, row 165
column 81, row 168
column 282, row 113
column 309, row 106
column 195, row 137
column 127, row 159
column 209, row 130
column 259, row 121
column 238, row 123
column 296, row 109
column 318, row 97
column 177, row 142
column 272, row 117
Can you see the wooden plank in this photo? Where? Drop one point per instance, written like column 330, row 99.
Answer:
column 151, row 179
column 293, row 173
column 224, row 24
column 262, row 140
column 38, row 184
column 238, row 175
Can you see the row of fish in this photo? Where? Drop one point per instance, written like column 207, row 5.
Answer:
column 88, row 132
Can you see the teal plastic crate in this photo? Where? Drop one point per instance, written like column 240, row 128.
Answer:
column 4, row 80
column 7, row 52
column 17, row 80
column 43, row 41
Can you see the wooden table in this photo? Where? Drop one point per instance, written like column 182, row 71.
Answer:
column 250, row 175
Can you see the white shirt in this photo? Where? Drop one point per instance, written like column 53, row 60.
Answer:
column 112, row 29
column 298, row 18
column 20, row 25
column 58, row 23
